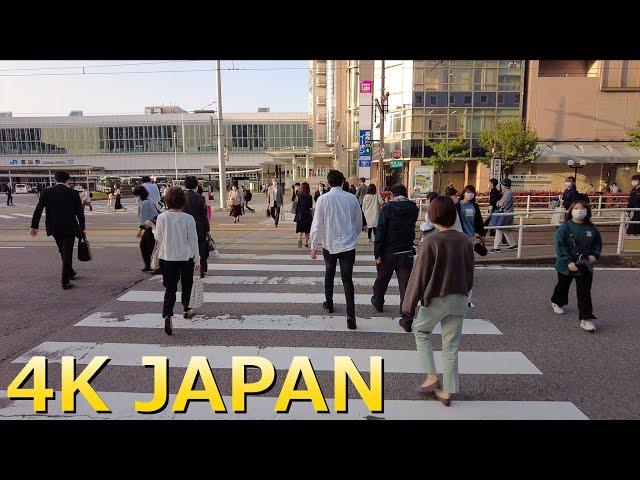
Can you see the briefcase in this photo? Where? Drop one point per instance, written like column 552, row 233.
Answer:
column 84, row 249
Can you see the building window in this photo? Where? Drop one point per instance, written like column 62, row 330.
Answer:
column 484, row 99
column 451, row 100
column 467, row 100
column 432, row 100
column 501, row 99
column 418, row 99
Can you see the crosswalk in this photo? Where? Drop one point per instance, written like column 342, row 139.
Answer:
column 270, row 306
column 98, row 210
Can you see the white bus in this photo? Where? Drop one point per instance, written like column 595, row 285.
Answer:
column 106, row 182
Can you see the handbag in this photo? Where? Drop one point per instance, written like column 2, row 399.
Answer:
column 480, row 248
column 197, row 292
column 155, row 256
column 294, row 206
column 211, row 246
column 84, row 250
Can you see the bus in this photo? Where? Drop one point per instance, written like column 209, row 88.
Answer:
column 107, row 181
column 133, row 181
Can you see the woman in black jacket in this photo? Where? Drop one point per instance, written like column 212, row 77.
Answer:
column 304, row 217
column 634, row 202
column 494, row 196
column 196, row 206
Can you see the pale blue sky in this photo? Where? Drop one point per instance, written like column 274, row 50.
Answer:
column 280, row 85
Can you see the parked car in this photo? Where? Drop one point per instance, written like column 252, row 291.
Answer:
column 21, row 188
column 33, row 189
column 79, row 188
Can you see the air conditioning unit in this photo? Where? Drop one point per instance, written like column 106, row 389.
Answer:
column 514, row 64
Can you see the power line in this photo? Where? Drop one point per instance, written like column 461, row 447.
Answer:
column 94, row 66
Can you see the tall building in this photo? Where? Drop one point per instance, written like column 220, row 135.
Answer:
column 583, row 110
column 156, row 143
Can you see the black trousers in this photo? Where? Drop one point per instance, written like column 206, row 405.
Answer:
column 402, row 264
column 583, row 292
column 9, row 199
column 65, row 247
column 147, row 242
column 346, row 259
column 246, row 204
column 275, row 213
column 371, row 230
column 172, row 272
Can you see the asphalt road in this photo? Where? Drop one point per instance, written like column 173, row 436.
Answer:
column 514, row 348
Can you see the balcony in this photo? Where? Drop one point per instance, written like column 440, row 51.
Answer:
column 321, row 100
column 321, row 82
column 321, row 118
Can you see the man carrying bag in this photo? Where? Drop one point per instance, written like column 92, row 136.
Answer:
column 65, row 221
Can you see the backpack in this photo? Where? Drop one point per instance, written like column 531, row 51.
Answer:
column 247, row 196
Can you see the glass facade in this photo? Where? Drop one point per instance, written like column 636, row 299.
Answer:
column 436, row 100
column 200, row 137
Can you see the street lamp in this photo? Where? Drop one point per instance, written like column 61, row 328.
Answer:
column 572, row 164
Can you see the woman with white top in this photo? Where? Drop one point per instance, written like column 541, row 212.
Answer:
column 371, row 204
column 178, row 253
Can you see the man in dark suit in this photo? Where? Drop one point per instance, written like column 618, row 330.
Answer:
column 196, row 206
column 65, row 221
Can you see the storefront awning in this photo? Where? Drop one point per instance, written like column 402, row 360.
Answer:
column 594, row 152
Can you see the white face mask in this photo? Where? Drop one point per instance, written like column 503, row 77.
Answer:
column 578, row 214
column 567, row 184
column 468, row 196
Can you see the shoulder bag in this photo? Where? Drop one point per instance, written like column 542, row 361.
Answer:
column 84, row 249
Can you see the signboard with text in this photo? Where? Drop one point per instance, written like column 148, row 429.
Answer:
column 396, row 164
column 530, row 182
column 364, row 154
column 496, row 168
column 366, row 86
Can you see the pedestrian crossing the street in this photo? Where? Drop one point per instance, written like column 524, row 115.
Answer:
column 99, row 209
column 269, row 305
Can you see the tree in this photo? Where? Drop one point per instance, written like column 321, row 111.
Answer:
column 513, row 143
column 635, row 137
column 445, row 152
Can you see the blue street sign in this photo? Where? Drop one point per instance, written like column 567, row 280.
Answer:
column 364, row 152
column 364, row 163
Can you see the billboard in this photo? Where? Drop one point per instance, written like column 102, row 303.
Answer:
column 423, row 179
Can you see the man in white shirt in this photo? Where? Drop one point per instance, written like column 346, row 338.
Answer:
column 337, row 222
column 152, row 188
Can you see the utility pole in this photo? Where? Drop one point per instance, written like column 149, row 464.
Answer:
column 380, row 105
column 175, row 153
column 221, row 167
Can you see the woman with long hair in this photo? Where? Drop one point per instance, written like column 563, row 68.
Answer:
column 303, row 216
column 234, row 202
column 371, row 204
column 118, row 196
column 578, row 246
column 147, row 212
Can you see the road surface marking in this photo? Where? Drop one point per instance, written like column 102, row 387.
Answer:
column 324, row 323
column 252, row 280
column 322, row 359
column 261, row 408
column 257, row 297
column 284, row 268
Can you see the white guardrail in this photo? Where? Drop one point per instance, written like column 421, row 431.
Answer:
column 622, row 222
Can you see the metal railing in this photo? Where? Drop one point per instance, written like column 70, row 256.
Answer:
column 521, row 226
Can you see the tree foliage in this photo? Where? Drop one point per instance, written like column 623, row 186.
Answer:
column 635, row 137
column 445, row 153
column 513, row 143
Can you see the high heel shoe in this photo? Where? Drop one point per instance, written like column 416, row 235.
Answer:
column 431, row 388
column 445, row 401
column 168, row 325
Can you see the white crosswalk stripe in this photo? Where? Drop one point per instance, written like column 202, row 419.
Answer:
column 328, row 323
column 274, row 289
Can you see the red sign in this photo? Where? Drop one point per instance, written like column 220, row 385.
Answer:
column 365, row 86
column 396, row 154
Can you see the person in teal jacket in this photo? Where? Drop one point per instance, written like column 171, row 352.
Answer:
column 578, row 246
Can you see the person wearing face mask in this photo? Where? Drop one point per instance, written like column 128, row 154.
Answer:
column 634, row 202
column 442, row 278
column 234, row 202
column 494, row 196
column 578, row 246
column 504, row 205
column 469, row 213
column 570, row 192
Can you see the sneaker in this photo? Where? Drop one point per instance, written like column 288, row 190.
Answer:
column 515, row 247
column 494, row 250
column 188, row 313
column 471, row 305
column 557, row 309
column 587, row 325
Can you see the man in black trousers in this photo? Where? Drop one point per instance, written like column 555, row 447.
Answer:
column 394, row 249
column 65, row 221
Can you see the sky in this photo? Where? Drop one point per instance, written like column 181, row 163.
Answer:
column 29, row 88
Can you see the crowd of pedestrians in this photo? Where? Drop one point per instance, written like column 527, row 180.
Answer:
column 438, row 276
